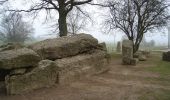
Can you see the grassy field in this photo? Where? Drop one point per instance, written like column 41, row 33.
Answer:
column 162, row 68
column 159, row 95
column 153, row 65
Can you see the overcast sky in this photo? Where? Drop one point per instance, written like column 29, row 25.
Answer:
column 42, row 30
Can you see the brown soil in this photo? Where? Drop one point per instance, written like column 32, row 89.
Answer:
column 119, row 83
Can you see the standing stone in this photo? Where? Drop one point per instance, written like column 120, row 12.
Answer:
column 127, row 52
column 118, row 49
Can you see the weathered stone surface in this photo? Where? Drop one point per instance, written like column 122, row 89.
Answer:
column 44, row 75
column 129, row 61
column 10, row 46
column 65, row 46
column 72, row 68
column 136, row 55
column 127, row 48
column 18, row 58
column 142, row 57
column 18, row 71
column 3, row 73
column 75, row 57
column 142, row 54
column 145, row 52
column 102, row 46
column 2, row 87
column 127, row 52
column 134, row 61
column 166, row 56
column 119, row 47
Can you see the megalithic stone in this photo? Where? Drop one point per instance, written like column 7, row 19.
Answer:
column 127, row 52
column 118, row 49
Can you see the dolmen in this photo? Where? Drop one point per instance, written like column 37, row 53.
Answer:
column 51, row 62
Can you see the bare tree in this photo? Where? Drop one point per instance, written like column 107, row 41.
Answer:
column 137, row 17
column 3, row 1
column 76, row 21
column 14, row 29
column 63, row 7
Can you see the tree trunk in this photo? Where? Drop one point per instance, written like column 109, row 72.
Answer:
column 135, row 48
column 62, row 24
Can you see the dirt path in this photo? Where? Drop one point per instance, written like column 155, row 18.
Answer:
column 120, row 83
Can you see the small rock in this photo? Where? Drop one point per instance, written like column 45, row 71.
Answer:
column 136, row 55
column 128, row 61
column 142, row 57
column 145, row 52
column 134, row 61
column 166, row 56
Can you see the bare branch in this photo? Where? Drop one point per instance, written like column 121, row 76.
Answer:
column 81, row 2
column 137, row 17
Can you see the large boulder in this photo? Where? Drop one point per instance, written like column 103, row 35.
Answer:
column 45, row 75
column 18, row 58
column 72, row 68
column 166, row 56
column 65, row 46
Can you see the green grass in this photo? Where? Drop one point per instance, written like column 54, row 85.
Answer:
column 155, row 95
column 161, row 67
